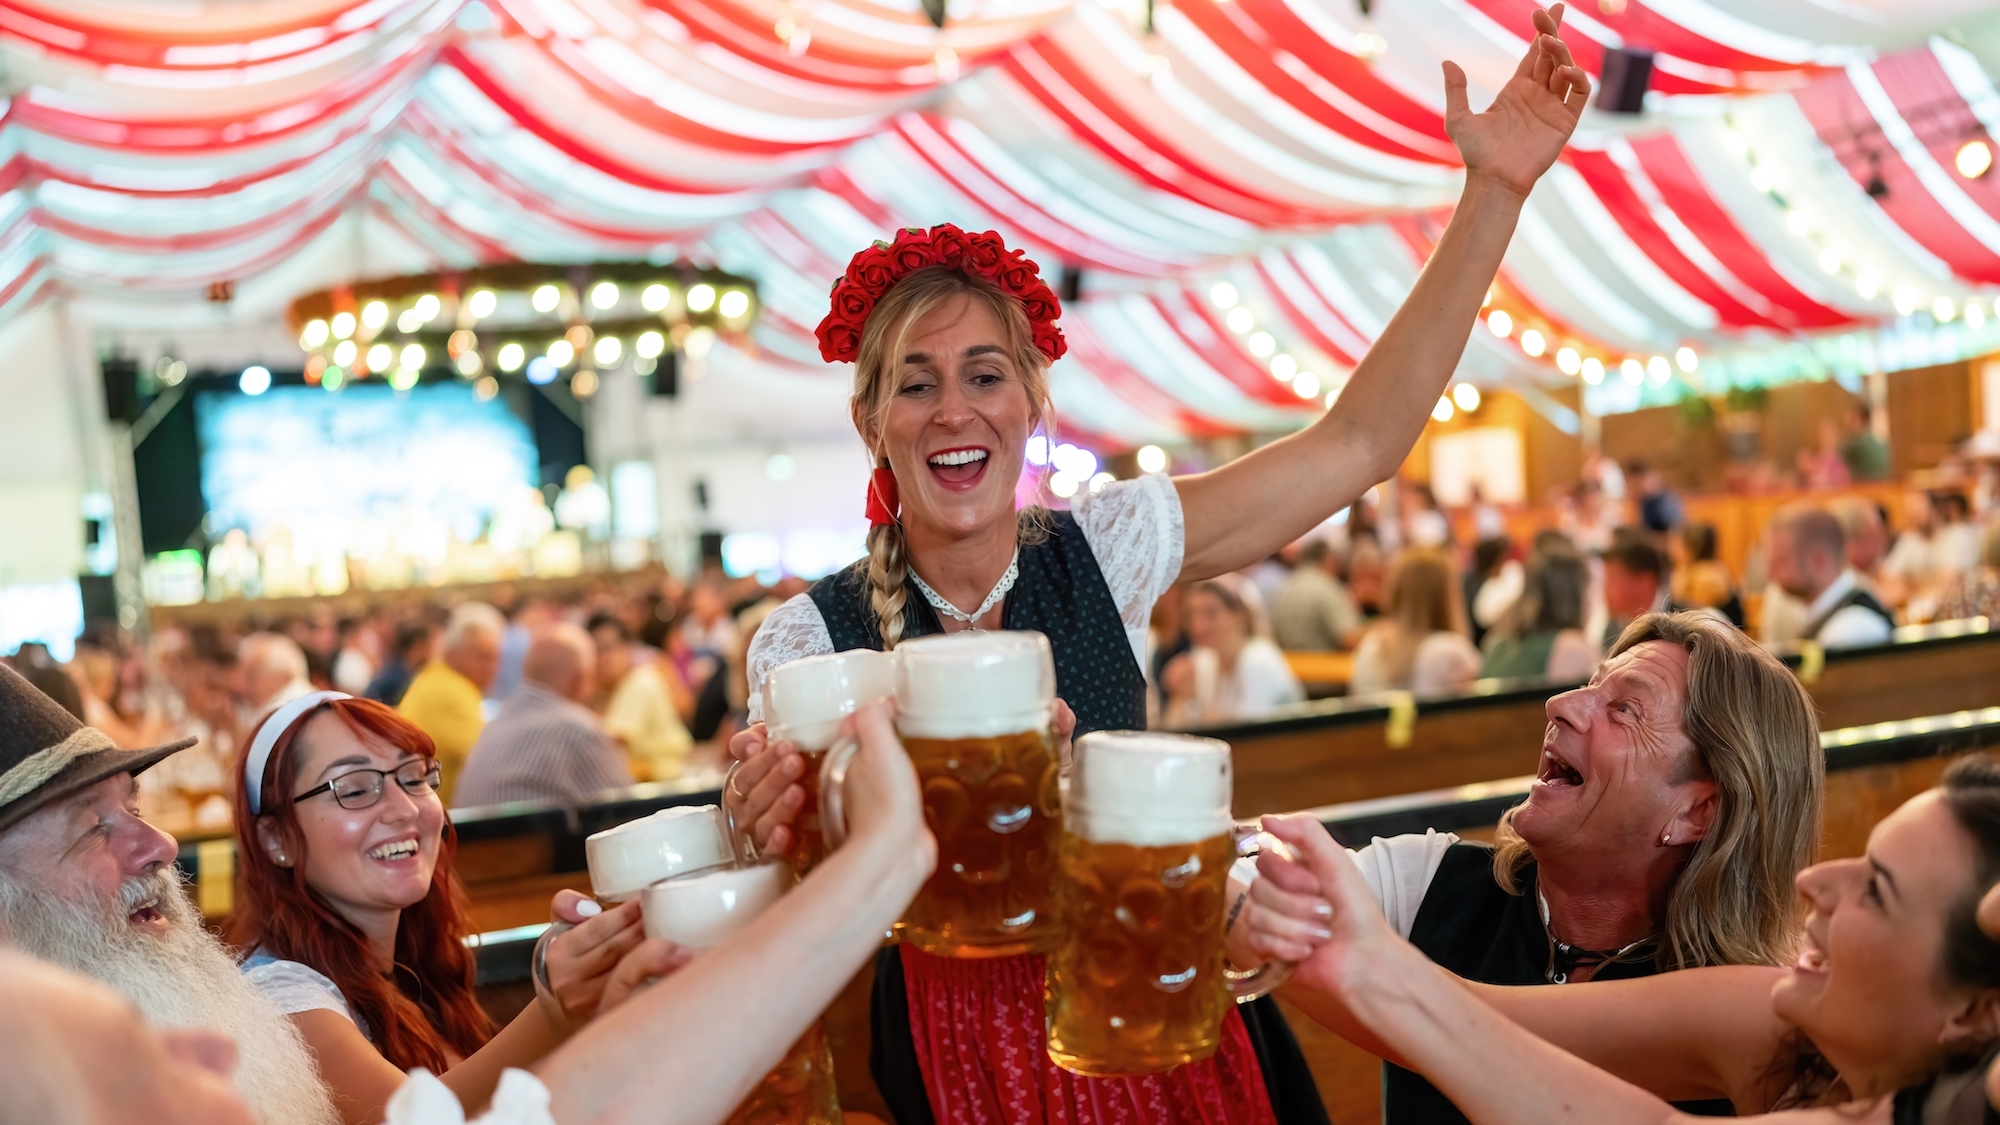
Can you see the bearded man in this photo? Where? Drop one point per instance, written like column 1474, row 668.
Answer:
column 87, row 885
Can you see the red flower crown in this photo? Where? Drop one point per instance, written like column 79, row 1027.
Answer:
column 876, row 270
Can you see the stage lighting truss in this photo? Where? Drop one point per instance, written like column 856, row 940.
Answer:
column 483, row 323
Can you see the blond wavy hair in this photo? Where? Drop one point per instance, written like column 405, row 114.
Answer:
column 877, row 367
column 1756, row 736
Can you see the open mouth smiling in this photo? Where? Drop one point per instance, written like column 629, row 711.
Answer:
column 1556, row 773
column 394, row 850
column 959, row 467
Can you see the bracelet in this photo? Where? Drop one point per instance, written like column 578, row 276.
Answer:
column 538, row 971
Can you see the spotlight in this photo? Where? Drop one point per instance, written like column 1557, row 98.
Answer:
column 1152, row 459
column 254, row 381
column 427, row 307
column 413, row 357
column 482, row 303
column 545, row 298
column 511, row 357
column 607, row 351
column 314, row 335
column 561, row 352
column 374, row 315
column 733, row 305
column 649, row 345
column 604, row 294
column 701, row 298
column 1975, row 159
column 344, row 353
column 380, row 357
column 655, row 297
column 343, row 325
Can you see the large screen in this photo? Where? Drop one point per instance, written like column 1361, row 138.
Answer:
column 352, row 469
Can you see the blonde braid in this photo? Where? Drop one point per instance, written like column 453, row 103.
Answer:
column 888, row 567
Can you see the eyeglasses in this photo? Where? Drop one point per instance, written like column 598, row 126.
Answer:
column 361, row 789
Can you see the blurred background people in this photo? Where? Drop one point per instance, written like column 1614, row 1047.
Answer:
column 640, row 691
column 1808, row 560
column 1233, row 672
column 1419, row 643
column 446, row 698
column 545, row 745
column 409, row 648
column 1541, row 634
column 1635, row 583
column 270, row 672
column 1311, row 611
column 1701, row 580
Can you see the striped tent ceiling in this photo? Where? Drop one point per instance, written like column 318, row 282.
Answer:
column 1248, row 187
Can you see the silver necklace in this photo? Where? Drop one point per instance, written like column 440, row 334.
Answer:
column 956, row 614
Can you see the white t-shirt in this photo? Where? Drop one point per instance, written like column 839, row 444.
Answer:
column 1133, row 527
column 296, row 987
column 1260, row 683
column 1445, row 661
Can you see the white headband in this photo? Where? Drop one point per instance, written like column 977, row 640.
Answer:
column 274, row 728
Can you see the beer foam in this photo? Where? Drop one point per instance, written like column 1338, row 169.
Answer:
column 625, row 859
column 805, row 701
column 1149, row 790
column 705, row 909
column 974, row 685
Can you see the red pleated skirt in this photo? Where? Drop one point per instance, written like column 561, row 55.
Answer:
column 981, row 1039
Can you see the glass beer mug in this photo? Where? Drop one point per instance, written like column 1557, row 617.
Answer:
column 705, row 909
column 973, row 710
column 1137, row 982
column 804, row 703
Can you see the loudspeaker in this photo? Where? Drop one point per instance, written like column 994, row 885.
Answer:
column 711, row 549
column 667, row 374
column 1622, row 81
column 121, row 389
column 100, row 598
column 1072, row 284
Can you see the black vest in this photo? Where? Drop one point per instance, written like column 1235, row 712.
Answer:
column 1856, row 596
column 1060, row 593
column 1469, row 925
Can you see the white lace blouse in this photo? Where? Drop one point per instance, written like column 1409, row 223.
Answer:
column 1134, row 530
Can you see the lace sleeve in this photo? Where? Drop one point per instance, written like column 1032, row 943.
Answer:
column 794, row 631
column 1134, row 529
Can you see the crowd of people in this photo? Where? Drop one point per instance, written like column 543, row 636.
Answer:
column 1646, row 926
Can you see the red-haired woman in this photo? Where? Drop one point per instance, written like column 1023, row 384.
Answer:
column 354, row 920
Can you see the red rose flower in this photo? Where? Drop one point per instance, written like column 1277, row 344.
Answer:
column 983, row 252
column 1016, row 278
column 948, row 245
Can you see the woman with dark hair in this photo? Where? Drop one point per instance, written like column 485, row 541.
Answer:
column 1701, row 579
column 1542, row 634
column 1889, row 1014
column 1234, row 672
column 354, row 921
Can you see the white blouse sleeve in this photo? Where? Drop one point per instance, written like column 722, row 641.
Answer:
column 296, row 988
column 1135, row 530
column 520, row 1099
column 794, row 631
column 1399, row 869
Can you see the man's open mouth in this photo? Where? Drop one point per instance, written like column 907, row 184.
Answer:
column 1556, row 772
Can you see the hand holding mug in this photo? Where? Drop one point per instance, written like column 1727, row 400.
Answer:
column 648, row 962
column 1358, row 933
column 580, row 961
column 881, row 795
column 763, row 795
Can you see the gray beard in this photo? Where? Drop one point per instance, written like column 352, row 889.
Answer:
column 184, row 978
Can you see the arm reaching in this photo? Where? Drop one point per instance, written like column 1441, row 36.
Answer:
column 1250, row 507
column 1692, row 1034
column 688, row 1049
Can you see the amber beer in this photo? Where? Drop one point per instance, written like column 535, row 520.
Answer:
column 804, row 704
column 1137, row 982
column 705, row 909
column 973, row 710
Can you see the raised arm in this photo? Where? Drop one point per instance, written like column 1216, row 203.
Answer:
column 687, row 1050
column 1700, row 1033
column 1250, row 507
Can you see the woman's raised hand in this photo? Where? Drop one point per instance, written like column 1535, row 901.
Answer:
column 581, row 961
column 1524, row 130
column 763, row 795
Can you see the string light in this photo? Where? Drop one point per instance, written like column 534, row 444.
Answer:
column 1829, row 260
column 1240, row 320
column 1975, row 159
column 380, row 357
column 342, row 325
column 701, row 298
column 482, row 303
column 1152, row 459
column 584, row 383
column 607, row 351
column 374, row 315
column 1306, row 385
column 1942, row 310
column 604, row 294
column 1443, row 411
column 1686, row 360
column 1466, row 396
column 427, row 308
column 1532, row 342
column 1223, row 295
column 649, row 345
column 561, row 352
column 1632, row 371
column 413, row 356
column 1568, row 361
column 1593, row 371
column 254, row 380
column 485, row 388
column 1658, row 371
column 511, row 357
column 733, row 305
column 344, row 353
column 314, row 335
column 1500, row 324
column 545, row 298
column 469, row 364
column 1283, row 367
column 403, row 378
column 1261, row 344
column 655, row 297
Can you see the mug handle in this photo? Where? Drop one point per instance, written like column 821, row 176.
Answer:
column 740, row 842
column 1245, row 986
column 538, row 971
column 833, row 790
